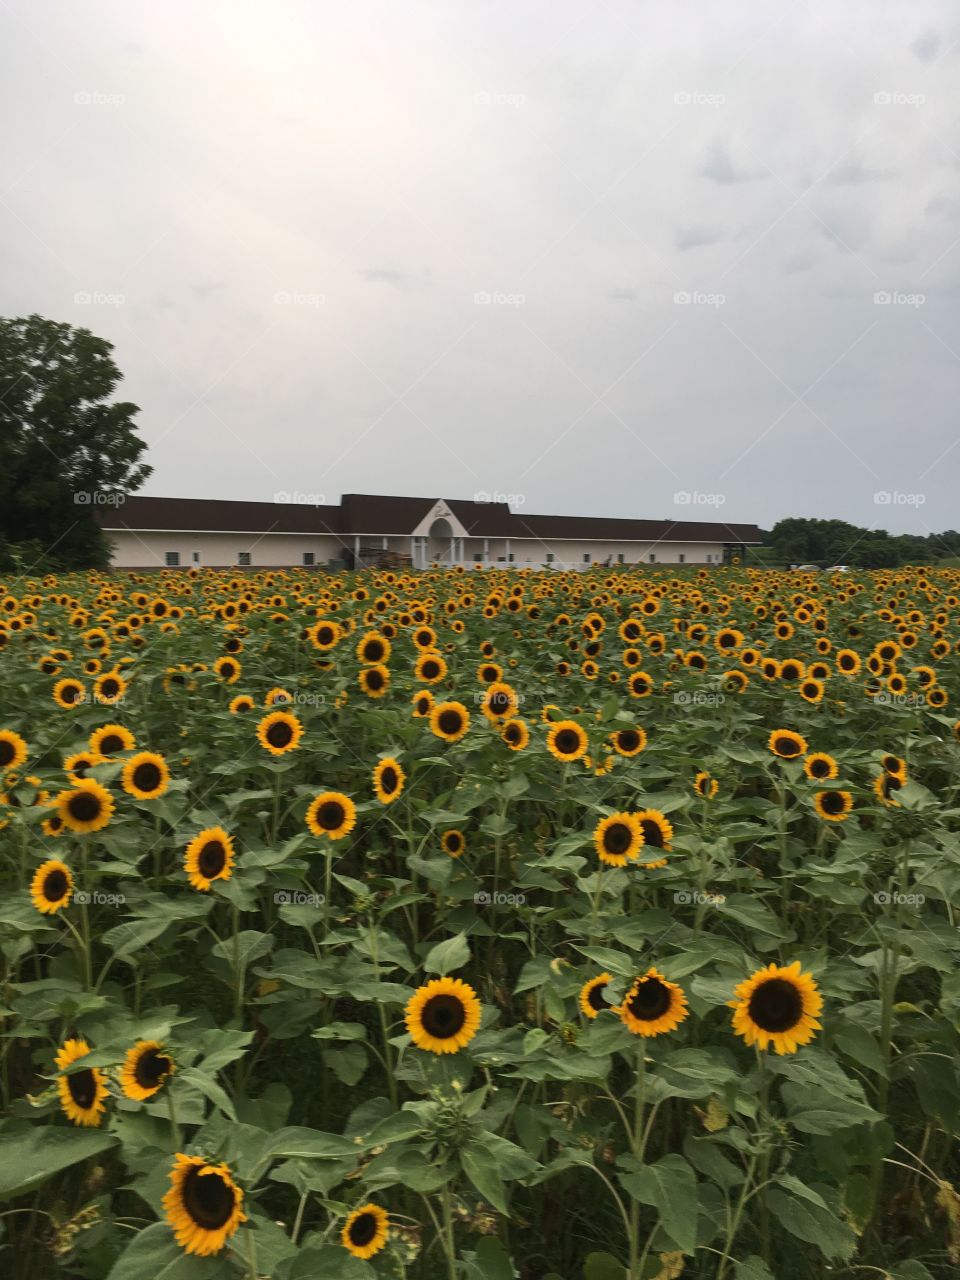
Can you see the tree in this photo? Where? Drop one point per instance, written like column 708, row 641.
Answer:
column 66, row 451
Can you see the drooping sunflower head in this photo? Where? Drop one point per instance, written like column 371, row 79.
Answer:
column 515, row 733
column 591, row 997
column 422, row 703
column 209, row 856
column 567, row 740
column 443, row 1016
column 51, row 887
column 279, row 732
column 86, row 807
column 449, row 720
column 145, row 776
column 204, row 1205
column 332, row 814
column 388, row 780
column 653, row 1005
column 777, row 1007
column 786, row 744
column 145, row 1069
column 242, row 702
column 83, row 1091
column 366, row 1230
column 705, row 785
column 617, row 839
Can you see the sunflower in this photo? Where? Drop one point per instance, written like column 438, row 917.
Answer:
column 894, row 765
column 109, row 688
column 365, row 1231
column 449, row 720
column 443, row 1016
column 653, row 1005
column 884, row 785
column 279, row 732
column 430, row 668
column 332, row 814
column 373, row 648
column 388, row 780
column 566, row 740
column 325, row 635
column 591, row 999
column 499, row 702
column 811, row 690
column 848, row 662
column 453, row 843
column 203, row 1205
column 640, row 685
column 77, row 765
column 87, row 807
column 145, row 1069
column 242, row 702
column 374, row 681
column 145, row 776
column 777, row 1006
column 515, row 734
column 819, row 766
column 833, row 806
column 228, row 670
column 13, row 750
column 209, row 856
column 69, row 693
column 657, row 834
column 422, row 702
column 786, row 744
column 110, row 739
column 617, row 839
column 81, row 1092
column 629, row 742
column 51, row 887
column 705, row 785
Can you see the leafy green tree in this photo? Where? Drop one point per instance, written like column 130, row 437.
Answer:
column 67, row 451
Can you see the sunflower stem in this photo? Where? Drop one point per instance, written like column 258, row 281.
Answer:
column 298, row 1221
column 448, row 1240
column 252, row 1254
column 172, row 1113
column 637, row 1145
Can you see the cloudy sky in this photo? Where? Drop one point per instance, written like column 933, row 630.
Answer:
column 639, row 260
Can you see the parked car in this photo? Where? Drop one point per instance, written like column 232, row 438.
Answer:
column 838, row 568
column 806, row 568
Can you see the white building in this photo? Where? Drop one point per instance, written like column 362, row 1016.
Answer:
column 150, row 533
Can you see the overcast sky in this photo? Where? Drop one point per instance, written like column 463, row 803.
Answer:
column 443, row 248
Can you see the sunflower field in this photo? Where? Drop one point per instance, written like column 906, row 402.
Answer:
column 480, row 925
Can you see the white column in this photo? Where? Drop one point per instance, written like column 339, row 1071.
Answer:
column 506, row 550
column 356, row 550
column 486, row 549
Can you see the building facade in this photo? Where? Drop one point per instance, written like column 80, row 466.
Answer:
column 367, row 529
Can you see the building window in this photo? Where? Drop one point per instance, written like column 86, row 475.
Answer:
column 172, row 559
column 511, row 557
column 653, row 558
column 683, row 558
column 309, row 560
column 620, row 557
column 243, row 559
column 196, row 557
column 550, row 557
column 586, row 557
column 478, row 557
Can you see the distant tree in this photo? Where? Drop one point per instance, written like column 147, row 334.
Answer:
column 66, row 451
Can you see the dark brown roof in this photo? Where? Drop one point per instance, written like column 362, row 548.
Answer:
column 362, row 513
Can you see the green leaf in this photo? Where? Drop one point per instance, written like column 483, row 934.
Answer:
column 32, row 1156
column 154, row 1252
column 209, row 1088
column 481, row 1168
column 603, row 1266
column 348, row 1063
column 491, row 1261
column 448, row 956
column 806, row 1215
column 753, row 1268
column 670, row 1186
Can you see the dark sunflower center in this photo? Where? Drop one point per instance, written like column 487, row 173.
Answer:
column 786, row 747
column 617, row 838
column 499, row 704
column 450, row 721
column 280, row 734
column 650, row 1000
column 330, row 815
column 431, row 668
column 832, row 802
column 6, row 752
column 628, row 739
column 207, row 1199
column 110, row 687
column 819, row 768
column 324, row 635
column 389, row 779
column 374, row 679
column 212, row 859
column 652, row 834
column 373, row 650
column 443, row 1016
column 513, row 733
column 776, row 1005
column 567, row 741
column 453, row 843
column 111, row 743
column 362, row 1230
column 640, row 685
column 84, row 806
column 152, row 1068
column 83, row 1088
column 146, row 776
column 55, row 885
column 595, row 999
column 726, row 640
column 70, row 693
